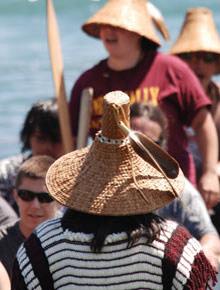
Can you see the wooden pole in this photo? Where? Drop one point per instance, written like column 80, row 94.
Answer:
column 58, row 77
column 84, row 117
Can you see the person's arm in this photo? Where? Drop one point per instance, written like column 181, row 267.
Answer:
column 211, row 248
column 198, row 221
column 206, row 136
column 217, row 123
column 4, row 279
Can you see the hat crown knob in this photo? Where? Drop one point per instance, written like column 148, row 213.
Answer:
column 116, row 110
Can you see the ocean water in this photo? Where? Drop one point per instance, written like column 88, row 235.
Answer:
column 25, row 71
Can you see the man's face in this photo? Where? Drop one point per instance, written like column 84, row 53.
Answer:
column 203, row 64
column 148, row 127
column 33, row 212
column 41, row 145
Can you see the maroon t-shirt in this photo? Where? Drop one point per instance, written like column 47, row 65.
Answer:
column 160, row 79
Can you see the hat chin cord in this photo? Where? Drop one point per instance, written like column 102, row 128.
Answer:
column 134, row 139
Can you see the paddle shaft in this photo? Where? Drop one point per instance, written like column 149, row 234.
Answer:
column 58, row 77
column 84, row 117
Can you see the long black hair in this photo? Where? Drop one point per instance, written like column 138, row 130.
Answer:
column 148, row 45
column 135, row 226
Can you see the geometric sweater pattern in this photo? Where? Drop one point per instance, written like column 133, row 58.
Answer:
column 54, row 257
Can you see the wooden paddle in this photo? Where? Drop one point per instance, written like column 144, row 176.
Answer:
column 58, row 77
column 84, row 117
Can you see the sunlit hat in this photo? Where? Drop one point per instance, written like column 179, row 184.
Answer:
column 130, row 15
column 119, row 174
column 198, row 33
column 158, row 20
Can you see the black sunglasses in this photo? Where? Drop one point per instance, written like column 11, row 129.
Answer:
column 207, row 57
column 27, row 195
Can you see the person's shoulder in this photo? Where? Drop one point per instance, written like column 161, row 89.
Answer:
column 172, row 61
column 7, row 213
column 43, row 236
column 48, row 227
column 183, row 241
column 175, row 232
column 16, row 159
column 179, row 71
column 92, row 72
column 169, row 228
column 7, row 230
column 11, row 164
column 189, row 190
column 179, row 242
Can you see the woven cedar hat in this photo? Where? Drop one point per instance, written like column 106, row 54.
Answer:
column 198, row 33
column 158, row 20
column 110, row 178
column 130, row 15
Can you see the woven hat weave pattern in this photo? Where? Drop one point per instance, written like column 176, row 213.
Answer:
column 110, row 178
column 131, row 15
column 198, row 33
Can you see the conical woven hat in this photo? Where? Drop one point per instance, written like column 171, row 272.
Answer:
column 158, row 20
column 110, row 178
column 198, row 33
column 130, row 15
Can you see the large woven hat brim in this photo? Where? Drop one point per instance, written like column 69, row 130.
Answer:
column 198, row 33
column 81, row 180
column 130, row 15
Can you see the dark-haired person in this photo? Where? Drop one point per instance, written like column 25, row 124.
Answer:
column 40, row 135
column 198, row 44
column 134, row 66
column 34, row 203
column 109, row 237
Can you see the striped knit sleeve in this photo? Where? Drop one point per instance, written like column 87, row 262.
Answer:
column 31, row 267
column 185, row 266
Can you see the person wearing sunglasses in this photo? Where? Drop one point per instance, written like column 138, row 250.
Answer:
column 34, row 203
column 39, row 135
column 198, row 44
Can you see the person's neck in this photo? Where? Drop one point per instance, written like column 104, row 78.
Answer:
column 26, row 232
column 125, row 62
